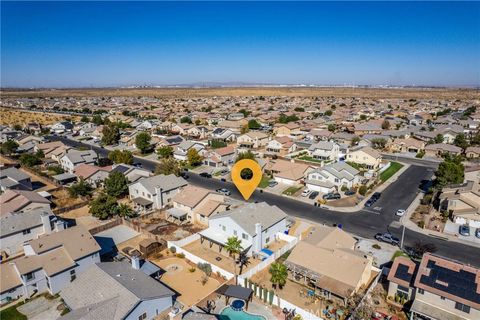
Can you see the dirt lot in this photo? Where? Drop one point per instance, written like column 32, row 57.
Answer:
column 430, row 218
column 83, row 217
column 246, row 91
column 12, row 117
column 61, row 198
column 190, row 285
column 39, row 183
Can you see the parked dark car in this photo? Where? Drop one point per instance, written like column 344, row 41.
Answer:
column 388, row 238
column 223, row 191
column 331, row 196
column 184, row 175
column 313, row 195
column 369, row 203
column 205, row 175
column 376, row 196
column 350, row 192
column 464, row 230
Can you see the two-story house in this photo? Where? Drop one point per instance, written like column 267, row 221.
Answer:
column 181, row 151
column 333, row 177
column 252, row 140
column 365, row 156
column 50, row 263
column 155, row 192
column 12, row 178
column 73, row 158
column 324, row 150
column 255, row 224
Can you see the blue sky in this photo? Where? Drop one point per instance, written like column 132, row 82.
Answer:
column 72, row 44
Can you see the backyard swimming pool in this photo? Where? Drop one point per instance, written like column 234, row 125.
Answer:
column 229, row 314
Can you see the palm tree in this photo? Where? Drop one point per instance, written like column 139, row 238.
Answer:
column 243, row 261
column 279, row 274
column 233, row 247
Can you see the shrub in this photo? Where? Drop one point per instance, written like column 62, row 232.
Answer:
column 421, row 224
column 173, row 249
column 180, row 255
column 205, row 267
column 363, row 190
column 344, row 188
column 192, row 269
column 376, row 246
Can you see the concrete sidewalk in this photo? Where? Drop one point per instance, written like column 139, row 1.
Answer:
column 409, row 224
column 360, row 205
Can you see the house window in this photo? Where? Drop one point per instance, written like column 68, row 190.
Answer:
column 149, row 196
column 234, row 232
column 244, row 236
column 462, row 307
column 224, row 228
column 402, row 292
column 421, row 291
column 27, row 231
column 267, row 240
column 73, row 276
column 142, row 316
column 443, row 298
column 30, row 276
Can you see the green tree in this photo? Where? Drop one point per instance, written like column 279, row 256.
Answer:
column 253, row 124
column 363, row 190
column 286, row 119
column 234, row 247
column 80, row 189
column 124, row 210
column 461, row 141
column 168, row 166
column 185, row 119
column 121, row 156
column 40, row 154
column 438, row 138
column 244, row 112
column 299, row 109
column 385, row 124
column 164, row 152
column 331, row 127
column 142, row 142
column 29, row 160
column 278, row 274
column 84, row 119
column 9, row 147
column 378, row 143
column 245, row 155
column 328, row 113
column 450, row 171
column 194, row 158
column 363, row 117
column 104, row 206
column 355, row 141
column 116, row 184
column 217, row 143
column 110, row 134
column 97, row 119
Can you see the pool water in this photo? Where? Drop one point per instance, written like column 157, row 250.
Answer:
column 229, row 314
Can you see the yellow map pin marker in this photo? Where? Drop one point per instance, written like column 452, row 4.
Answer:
column 246, row 187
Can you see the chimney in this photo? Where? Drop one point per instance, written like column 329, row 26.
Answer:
column 159, row 197
column 136, row 262
column 257, row 246
column 47, row 227
column 59, row 225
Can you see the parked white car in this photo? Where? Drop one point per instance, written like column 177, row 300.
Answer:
column 306, row 192
column 401, row 212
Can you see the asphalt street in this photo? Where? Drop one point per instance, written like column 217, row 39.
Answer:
column 364, row 223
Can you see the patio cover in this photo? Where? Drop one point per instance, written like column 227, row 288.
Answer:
column 235, row 291
column 142, row 201
column 64, row 176
column 176, row 213
column 222, row 238
column 431, row 311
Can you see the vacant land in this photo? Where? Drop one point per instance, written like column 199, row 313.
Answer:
column 418, row 93
column 12, row 117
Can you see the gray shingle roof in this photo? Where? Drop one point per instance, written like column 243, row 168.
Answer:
column 248, row 215
column 169, row 182
column 116, row 286
column 16, row 222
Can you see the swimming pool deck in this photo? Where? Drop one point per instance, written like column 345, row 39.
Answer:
column 254, row 308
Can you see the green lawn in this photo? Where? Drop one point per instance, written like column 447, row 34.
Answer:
column 398, row 254
column 394, row 167
column 11, row 313
column 264, row 183
column 308, row 158
column 290, row 191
